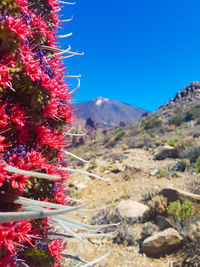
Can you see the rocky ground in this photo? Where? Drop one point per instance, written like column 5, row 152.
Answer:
column 134, row 175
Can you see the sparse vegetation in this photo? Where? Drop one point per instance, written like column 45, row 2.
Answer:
column 162, row 172
column 176, row 120
column 178, row 128
column 197, row 164
column 123, row 232
column 182, row 165
column 190, row 253
column 119, row 132
column 152, row 123
column 194, row 186
column 173, row 141
column 179, row 212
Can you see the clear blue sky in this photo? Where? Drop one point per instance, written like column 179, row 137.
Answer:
column 140, row 52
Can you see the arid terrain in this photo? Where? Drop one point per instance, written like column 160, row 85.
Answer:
column 101, row 195
column 160, row 151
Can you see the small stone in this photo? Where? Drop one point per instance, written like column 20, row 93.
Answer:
column 154, row 172
column 78, row 185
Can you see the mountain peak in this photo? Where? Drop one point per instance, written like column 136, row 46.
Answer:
column 108, row 112
column 100, row 100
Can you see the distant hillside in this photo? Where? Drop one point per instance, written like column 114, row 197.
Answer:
column 108, row 112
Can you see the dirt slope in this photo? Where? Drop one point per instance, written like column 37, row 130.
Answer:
column 99, row 194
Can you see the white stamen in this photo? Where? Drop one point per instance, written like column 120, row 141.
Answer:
column 78, row 86
column 64, row 36
column 74, row 156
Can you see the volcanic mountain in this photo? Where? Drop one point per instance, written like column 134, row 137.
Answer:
column 108, row 112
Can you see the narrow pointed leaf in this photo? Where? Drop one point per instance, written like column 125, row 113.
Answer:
column 28, row 215
column 73, row 257
column 86, row 226
column 84, row 172
column 74, row 156
column 89, row 235
column 31, row 173
column 65, row 228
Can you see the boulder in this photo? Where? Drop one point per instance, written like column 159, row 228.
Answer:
column 166, row 152
column 162, row 242
column 173, row 194
column 131, row 211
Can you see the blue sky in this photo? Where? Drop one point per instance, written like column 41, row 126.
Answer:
column 139, row 52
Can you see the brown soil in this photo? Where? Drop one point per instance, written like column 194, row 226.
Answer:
column 98, row 194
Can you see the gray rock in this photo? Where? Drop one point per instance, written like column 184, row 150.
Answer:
column 131, row 211
column 162, row 242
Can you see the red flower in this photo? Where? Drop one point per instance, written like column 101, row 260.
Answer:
column 3, row 173
column 38, row 22
column 35, row 160
column 18, row 116
column 18, row 27
column 53, row 4
column 51, row 109
column 3, row 116
column 4, row 76
column 30, row 64
column 17, row 161
column 2, row 139
column 13, row 233
column 60, row 196
column 7, row 260
column 53, row 139
column 8, row 60
column 22, row 4
column 56, row 248
column 18, row 181
column 23, row 136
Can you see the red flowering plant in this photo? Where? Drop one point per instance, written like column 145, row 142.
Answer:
column 35, row 118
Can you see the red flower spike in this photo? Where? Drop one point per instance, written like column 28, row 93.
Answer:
column 35, row 140
column 5, row 78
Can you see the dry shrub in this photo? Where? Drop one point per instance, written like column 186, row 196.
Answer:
column 124, row 235
column 194, row 186
column 191, row 249
column 114, row 156
column 157, row 206
column 123, row 232
column 148, row 195
column 148, row 229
